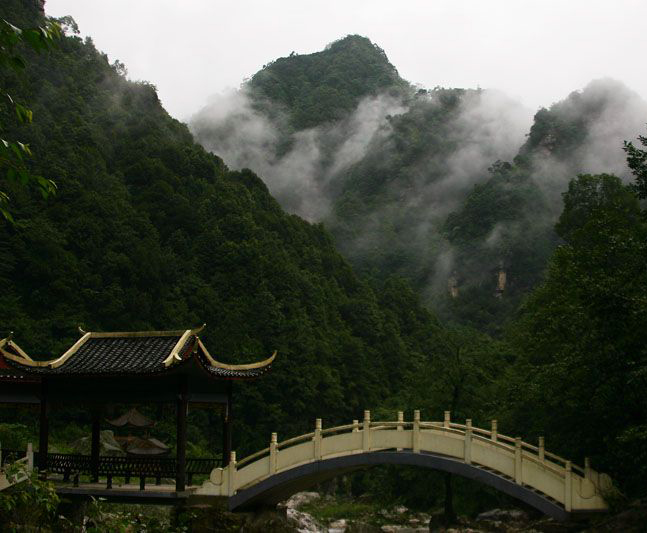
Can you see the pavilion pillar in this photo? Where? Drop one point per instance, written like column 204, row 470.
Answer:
column 182, row 411
column 96, row 434
column 226, row 428
column 43, row 437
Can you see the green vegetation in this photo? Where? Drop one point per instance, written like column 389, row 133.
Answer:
column 150, row 231
column 28, row 506
column 325, row 86
column 330, row 510
column 581, row 335
column 13, row 153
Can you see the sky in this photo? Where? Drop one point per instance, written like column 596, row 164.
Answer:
column 535, row 51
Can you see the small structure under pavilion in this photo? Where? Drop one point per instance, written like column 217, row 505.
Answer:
column 125, row 368
column 137, row 444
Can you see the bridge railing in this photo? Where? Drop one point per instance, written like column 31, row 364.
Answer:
column 520, row 462
column 491, row 436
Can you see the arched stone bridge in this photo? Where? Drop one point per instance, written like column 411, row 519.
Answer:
column 529, row 473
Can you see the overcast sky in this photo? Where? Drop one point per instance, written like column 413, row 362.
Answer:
column 535, row 50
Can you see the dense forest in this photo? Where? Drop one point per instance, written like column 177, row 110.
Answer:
column 432, row 185
column 148, row 229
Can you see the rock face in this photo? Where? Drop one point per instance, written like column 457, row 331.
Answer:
column 338, row 526
column 303, row 522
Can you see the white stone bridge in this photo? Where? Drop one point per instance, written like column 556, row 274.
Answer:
column 529, row 473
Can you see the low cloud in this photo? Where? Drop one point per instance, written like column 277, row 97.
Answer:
column 231, row 127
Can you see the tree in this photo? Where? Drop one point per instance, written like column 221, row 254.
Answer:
column 13, row 153
column 582, row 336
column 637, row 162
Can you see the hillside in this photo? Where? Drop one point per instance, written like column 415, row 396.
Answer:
column 508, row 219
column 402, row 180
column 149, row 231
column 325, row 86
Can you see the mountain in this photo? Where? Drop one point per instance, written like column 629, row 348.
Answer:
column 508, row 219
column 443, row 187
column 325, row 86
column 150, row 231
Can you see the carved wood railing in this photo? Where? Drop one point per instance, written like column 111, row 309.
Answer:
column 72, row 466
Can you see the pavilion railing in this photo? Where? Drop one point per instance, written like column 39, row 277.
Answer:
column 71, row 466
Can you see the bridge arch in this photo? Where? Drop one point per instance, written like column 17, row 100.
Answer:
column 529, row 473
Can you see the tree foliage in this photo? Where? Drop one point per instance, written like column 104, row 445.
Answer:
column 149, row 231
column 637, row 162
column 581, row 336
column 325, row 86
column 14, row 155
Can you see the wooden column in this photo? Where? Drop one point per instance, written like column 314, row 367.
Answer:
column 43, row 438
column 96, row 434
column 226, row 428
column 182, row 409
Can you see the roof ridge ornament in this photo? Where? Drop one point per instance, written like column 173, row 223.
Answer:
column 81, row 330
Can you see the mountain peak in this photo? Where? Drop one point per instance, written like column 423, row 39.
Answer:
column 324, row 86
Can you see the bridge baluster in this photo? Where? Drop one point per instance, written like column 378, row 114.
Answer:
column 541, row 451
column 231, row 477
column 568, row 495
column 317, row 440
column 468, row 441
column 366, row 436
column 355, row 426
column 447, row 420
column 415, row 437
column 587, row 468
column 517, row 460
column 273, row 453
column 494, row 434
column 400, row 424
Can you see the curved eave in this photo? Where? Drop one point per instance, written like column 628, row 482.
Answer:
column 12, row 352
column 229, row 371
column 18, row 359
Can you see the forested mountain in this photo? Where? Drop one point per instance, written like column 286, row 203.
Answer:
column 508, row 219
column 149, row 231
column 325, row 86
column 442, row 186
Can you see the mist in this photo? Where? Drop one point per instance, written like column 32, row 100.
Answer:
column 232, row 128
column 399, row 225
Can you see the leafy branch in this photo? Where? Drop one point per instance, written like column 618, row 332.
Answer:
column 14, row 155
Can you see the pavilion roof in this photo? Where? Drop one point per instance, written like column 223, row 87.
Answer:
column 132, row 418
column 126, row 353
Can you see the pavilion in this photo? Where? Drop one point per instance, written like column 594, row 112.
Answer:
column 129, row 368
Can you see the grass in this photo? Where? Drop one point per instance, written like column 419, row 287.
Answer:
column 327, row 510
